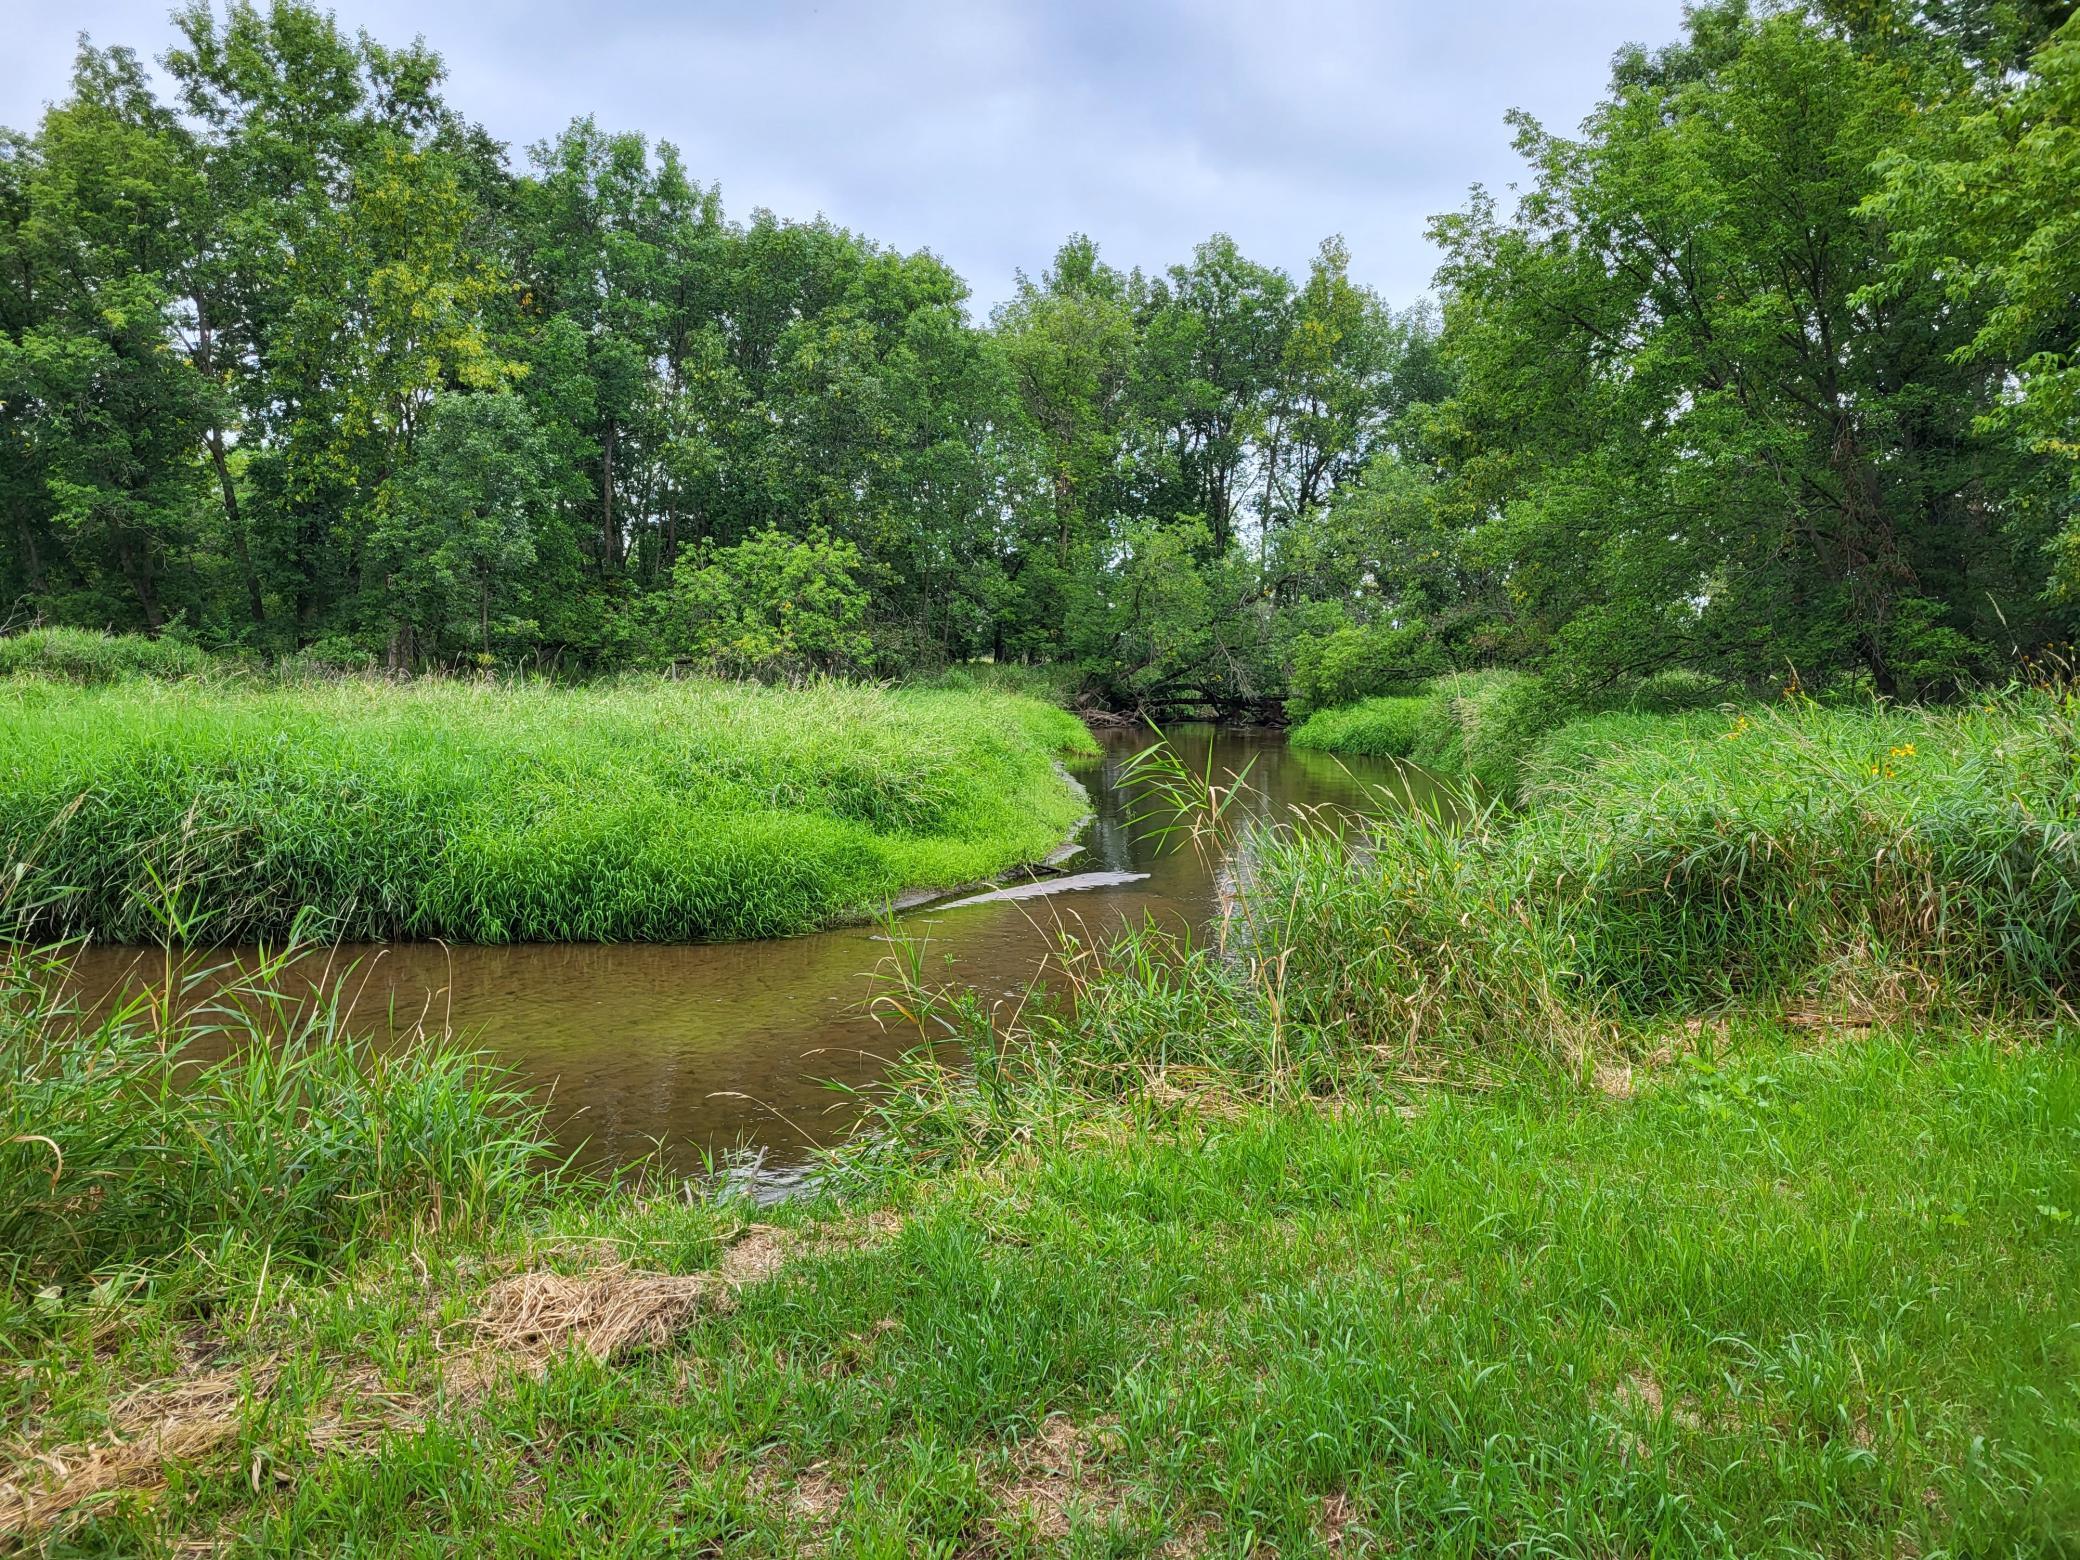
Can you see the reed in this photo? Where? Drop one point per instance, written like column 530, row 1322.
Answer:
column 200, row 1134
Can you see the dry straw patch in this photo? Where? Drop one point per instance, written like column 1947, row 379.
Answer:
column 150, row 1428
column 1640, row 1397
column 1052, row 1475
column 811, row 1497
column 525, row 1321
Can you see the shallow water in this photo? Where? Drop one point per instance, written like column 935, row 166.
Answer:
column 696, row 1050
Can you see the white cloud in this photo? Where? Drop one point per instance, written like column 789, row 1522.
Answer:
column 986, row 130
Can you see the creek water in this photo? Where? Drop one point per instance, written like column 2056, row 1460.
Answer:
column 693, row 1051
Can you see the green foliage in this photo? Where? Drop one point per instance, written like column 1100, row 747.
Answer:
column 1161, row 627
column 1486, row 723
column 79, row 655
column 1049, row 684
column 1903, row 856
column 1693, row 434
column 650, row 810
column 1353, row 663
column 250, row 1124
column 1372, row 728
column 1989, row 207
column 456, row 543
column 1495, row 728
column 771, row 606
column 1767, row 376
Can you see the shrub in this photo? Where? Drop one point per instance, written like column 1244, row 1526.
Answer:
column 1371, row 728
column 87, row 656
column 771, row 606
column 1354, row 663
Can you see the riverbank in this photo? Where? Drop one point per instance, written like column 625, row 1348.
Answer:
column 1488, row 726
column 644, row 809
column 1417, row 1217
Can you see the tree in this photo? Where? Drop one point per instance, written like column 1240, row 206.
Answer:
column 1068, row 343
column 455, row 540
column 102, row 412
column 1992, row 209
column 771, row 606
column 1704, row 442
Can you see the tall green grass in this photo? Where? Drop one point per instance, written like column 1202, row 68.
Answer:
column 84, row 656
column 1487, row 726
column 252, row 1124
column 1292, row 1238
column 645, row 810
column 1383, row 727
column 1471, row 725
column 1901, row 856
column 1877, row 860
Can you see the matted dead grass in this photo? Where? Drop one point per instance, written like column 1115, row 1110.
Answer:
column 182, row 1422
column 1055, row 1474
column 525, row 1321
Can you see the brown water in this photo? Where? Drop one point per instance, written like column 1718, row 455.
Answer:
column 698, row 1050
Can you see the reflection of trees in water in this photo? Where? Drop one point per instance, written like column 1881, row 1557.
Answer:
column 709, row 1046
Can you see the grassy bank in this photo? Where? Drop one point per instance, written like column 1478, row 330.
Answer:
column 1486, row 726
column 1887, row 860
column 642, row 810
column 1764, row 1300
column 1424, row 1212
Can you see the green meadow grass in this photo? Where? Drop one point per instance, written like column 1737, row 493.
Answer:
column 1775, row 1303
column 1684, row 1163
column 645, row 810
column 1476, row 726
column 1488, row 727
column 1383, row 727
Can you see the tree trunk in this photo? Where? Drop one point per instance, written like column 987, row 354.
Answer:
column 139, row 576
column 32, row 561
column 255, row 607
column 205, row 360
column 609, row 537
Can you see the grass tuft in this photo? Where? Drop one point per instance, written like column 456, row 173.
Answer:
column 647, row 810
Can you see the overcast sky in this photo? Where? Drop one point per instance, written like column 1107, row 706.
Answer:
column 986, row 131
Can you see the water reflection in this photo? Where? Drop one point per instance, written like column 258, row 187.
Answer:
column 697, row 1049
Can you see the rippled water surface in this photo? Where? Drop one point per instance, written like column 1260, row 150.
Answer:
column 703, row 1048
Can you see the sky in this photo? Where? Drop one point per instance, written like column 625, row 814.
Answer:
column 987, row 131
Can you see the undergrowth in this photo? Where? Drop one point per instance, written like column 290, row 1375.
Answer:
column 85, row 656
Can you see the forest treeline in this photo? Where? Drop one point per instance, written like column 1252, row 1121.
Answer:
column 1769, row 371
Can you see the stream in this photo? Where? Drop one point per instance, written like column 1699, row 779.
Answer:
column 693, row 1051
